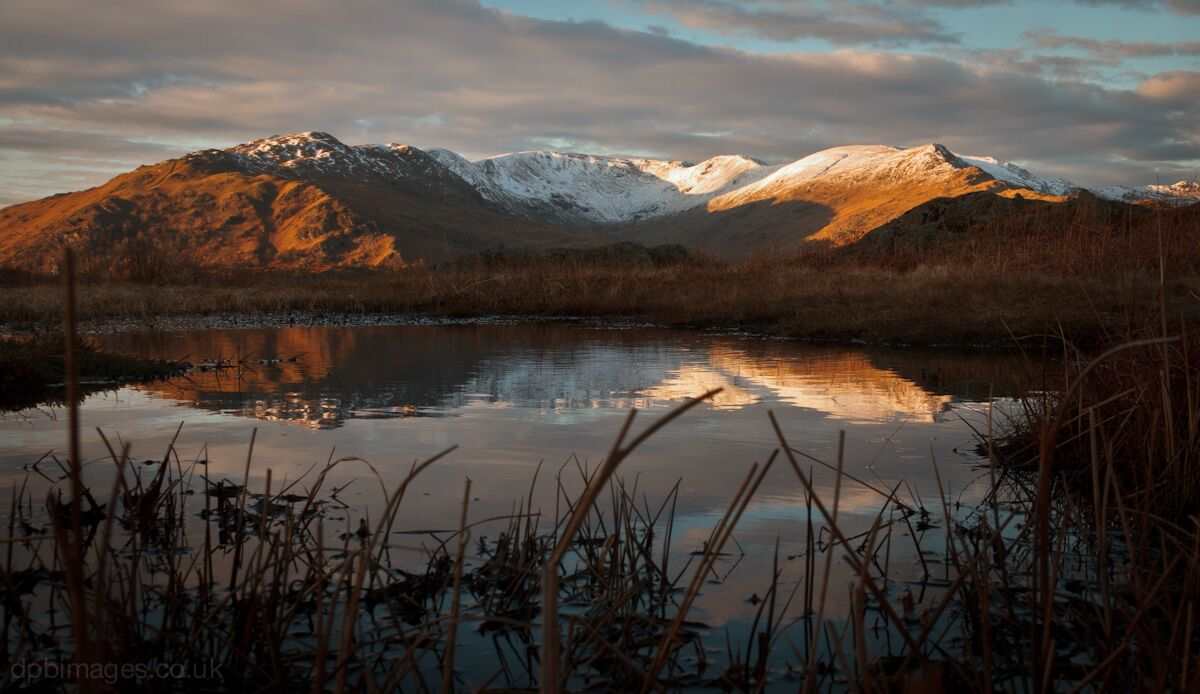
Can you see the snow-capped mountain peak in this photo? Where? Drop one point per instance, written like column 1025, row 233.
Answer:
column 601, row 188
column 296, row 149
column 586, row 188
column 1011, row 173
column 316, row 153
column 1178, row 193
column 1183, row 188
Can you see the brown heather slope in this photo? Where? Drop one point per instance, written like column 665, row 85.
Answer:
column 202, row 210
column 1082, row 235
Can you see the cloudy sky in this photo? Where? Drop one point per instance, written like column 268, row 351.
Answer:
column 1101, row 91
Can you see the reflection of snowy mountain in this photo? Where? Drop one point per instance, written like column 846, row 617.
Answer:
column 392, row 372
column 844, row 387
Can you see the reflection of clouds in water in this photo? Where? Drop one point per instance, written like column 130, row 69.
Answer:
column 781, row 515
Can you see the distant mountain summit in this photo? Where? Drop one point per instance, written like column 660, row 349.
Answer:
column 309, row 201
column 571, row 187
column 596, row 189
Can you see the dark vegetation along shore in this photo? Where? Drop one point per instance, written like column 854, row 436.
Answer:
column 33, row 370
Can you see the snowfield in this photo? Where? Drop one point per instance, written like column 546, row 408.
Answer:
column 603, row 189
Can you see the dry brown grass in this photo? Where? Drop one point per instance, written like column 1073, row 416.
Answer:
column 925, row 304
column 1102, row 474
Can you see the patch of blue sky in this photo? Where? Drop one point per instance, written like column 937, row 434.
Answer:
column 984, row 28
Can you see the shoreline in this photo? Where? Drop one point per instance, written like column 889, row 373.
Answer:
column 38, row 382
column 33, row 373
column 309, row 319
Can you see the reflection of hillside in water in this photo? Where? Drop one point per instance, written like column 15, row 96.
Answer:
column 842, row 384
column 325, row 376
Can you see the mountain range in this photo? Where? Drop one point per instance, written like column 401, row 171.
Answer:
column 307, row 201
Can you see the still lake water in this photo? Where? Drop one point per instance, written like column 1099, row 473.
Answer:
column 510, row 396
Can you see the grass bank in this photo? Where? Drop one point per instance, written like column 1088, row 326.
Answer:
column 804, row 298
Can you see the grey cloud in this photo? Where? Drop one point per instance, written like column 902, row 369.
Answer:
column 1112, row 52
column 955, row 4
column 25, row 176
column 1127, row 4
column 438, row 74
column 839, row 22
column 1056, row 67
column 58, row 143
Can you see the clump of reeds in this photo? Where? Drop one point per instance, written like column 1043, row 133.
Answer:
column 266, row 592
column 1101, row 475
column 269, row 592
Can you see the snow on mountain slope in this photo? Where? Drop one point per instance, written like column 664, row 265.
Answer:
column 309, row 201
column 709, row 177
column 1011, row 173
column 1179, row 193
column 598, row 188
column 853, row 165
column 614, row 189
column 309, row 154
column 582, row 188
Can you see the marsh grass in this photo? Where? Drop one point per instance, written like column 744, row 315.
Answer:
column 280, row 595
column 932, row 304
column 271, row 596
column 1103, row 474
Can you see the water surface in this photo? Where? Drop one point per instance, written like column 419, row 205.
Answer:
column 512, row 396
